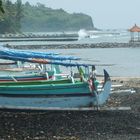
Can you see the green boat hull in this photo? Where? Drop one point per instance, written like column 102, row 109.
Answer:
column 45, row 88
column 38, row 82
column 56, row 100
column 53, row 94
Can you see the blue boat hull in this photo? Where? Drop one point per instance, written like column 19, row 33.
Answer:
column 63, row 101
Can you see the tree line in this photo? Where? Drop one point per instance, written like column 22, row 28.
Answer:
column 10, row 19
column 19, row 17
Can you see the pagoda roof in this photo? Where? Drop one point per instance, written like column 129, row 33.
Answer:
column 135, row 28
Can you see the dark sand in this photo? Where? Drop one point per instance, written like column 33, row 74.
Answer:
column 87, row 125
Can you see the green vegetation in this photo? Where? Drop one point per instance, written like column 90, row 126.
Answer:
column 41, row 18
column 11, row 18
column 25, row 17
column 1, row 7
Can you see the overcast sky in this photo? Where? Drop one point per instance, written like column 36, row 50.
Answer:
column 105, row 13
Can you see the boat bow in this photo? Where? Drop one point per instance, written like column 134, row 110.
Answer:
column 104, row 94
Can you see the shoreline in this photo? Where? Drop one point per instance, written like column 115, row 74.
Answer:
column 76, row 46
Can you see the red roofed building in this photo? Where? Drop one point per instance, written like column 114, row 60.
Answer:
column 133, row 30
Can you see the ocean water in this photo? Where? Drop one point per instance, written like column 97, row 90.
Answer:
column 118, row 61
column 122, row 36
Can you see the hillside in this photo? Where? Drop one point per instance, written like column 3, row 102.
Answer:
column 40, row 18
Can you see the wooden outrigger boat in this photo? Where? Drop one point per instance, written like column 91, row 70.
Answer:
column 52, row 95
column 34, row 57
column 62, row 93
column 26, row 77
column 37, row 82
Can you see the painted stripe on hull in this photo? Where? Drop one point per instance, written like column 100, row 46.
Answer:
column 22, row 84
column 47, row 95
column 23, row 79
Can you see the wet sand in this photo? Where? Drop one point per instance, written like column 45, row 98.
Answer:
column 82, row 125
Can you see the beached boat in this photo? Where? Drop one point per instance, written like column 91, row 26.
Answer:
column 33, row 75
column 36, row 82
column 25, row 77
column 62, row 93
column 78, row 94
column 38, row 72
